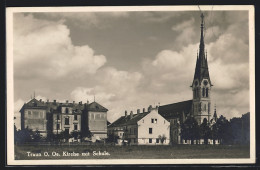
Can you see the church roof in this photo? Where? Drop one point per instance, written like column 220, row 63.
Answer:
column 201, row 70
column 175, row 110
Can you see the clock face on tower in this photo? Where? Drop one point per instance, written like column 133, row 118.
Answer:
column 205, row 82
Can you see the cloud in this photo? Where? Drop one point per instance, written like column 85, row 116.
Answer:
column 183, row 25
column 46, row 48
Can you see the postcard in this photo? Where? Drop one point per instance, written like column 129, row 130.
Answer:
column 113, row 85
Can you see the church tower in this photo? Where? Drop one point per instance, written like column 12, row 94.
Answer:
column 201, row 85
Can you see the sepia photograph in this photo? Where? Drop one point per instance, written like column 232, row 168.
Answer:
column 130, row 85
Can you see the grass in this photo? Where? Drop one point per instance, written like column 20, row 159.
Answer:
column 134, row 152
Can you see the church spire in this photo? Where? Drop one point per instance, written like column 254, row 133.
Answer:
column 201, row 70
column 215, row 117
column 202, row 35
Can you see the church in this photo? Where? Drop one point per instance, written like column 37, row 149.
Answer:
column 198, row 107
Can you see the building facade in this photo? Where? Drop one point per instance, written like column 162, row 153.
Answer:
column 54, row 117
column 147, row 128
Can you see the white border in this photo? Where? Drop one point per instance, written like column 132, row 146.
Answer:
column 10, row 87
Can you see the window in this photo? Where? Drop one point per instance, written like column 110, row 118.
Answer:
column 58, row 126
column 41, row 114
column 207, row 92
column 66, row 110
column 75, row 117
column 67, row 121
column 157, row 140
column 29, row 113
column 135, row 131
column 150, row 130
column 203, row 92
column 152, row 121
column 35, row 114
column 75, row 126
column 58, row 117
column 150, row 140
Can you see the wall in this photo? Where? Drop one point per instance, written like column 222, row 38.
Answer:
column 97, row 122
column 35, row 119
column 162, row 127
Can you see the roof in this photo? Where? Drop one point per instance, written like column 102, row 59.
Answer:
column 34, row 103
column 126, row 120
column 175, row 109
column 55, row 107
column 201, row 70
column 94, row 106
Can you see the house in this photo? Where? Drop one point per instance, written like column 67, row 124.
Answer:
column 54, row 117
column 147, row 128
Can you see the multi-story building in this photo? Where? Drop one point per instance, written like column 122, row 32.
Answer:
column 34, row 116
column 54, row 117
column 147, row 128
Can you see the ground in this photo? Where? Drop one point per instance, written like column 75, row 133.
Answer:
column 27, row 152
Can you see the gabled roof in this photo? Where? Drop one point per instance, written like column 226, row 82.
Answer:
column 126, row 120
column 94, row 106
column 34, row 103
column 175, row 110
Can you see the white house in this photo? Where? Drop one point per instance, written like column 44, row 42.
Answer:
column 147, row 128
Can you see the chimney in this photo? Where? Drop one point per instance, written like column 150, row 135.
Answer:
column 54, row 101
column 149, row 108
column 67, row 101
column 143, row 110
column 87, row 102
column 125, row 113
column 138, row 111
column 131, row 114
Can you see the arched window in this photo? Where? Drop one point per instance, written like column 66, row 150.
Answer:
column 203, row 92
column 207, row 92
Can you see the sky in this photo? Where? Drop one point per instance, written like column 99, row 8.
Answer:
column 130, row 60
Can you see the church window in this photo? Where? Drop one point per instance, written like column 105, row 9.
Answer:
column 207, row 92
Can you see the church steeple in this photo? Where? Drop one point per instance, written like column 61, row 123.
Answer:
column 201, row 70
column 201, row 85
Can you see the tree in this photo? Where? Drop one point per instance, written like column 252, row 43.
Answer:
column 190, row 130
column 223, row 130
column 36, row 136
column 205, row 131
column 162, row 138
column 112, row 138
column 24, row 136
